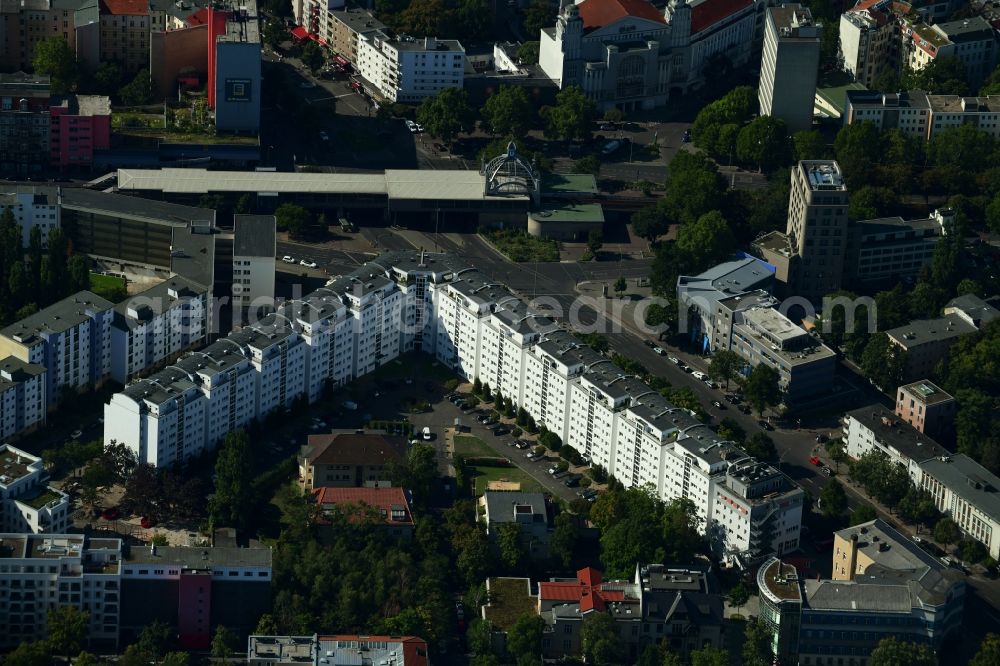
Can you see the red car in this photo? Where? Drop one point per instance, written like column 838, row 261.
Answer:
column 147, row 523
column 815, row 461
column 110, row 514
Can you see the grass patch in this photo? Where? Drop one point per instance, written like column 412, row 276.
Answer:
column 108, row 286
column 469, row 446
column 509, row 599
column 130, row 120
column 483, row 475
column 520, row 246
column 45, row 496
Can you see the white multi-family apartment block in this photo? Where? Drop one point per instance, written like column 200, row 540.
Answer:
column 27, row 503
column 33, row 207
column 153, row 326
column 407, row 301
column 878, row 428
column 71, row 339
column 254, row 247
column 406, row 69
column 22, row 396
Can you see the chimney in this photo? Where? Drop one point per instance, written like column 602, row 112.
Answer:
column 852, row 560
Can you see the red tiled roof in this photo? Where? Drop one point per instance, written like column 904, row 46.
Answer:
column 125, row 7
column 706, row 14
column 587, row 590
column 200, row 17
column 414, row 649
column 379, row 498
column 599, row 13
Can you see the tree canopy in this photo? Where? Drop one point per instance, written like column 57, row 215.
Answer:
column 572, row 117
column 54, row 58
column 508, row 112
column 447, row 114
column 892, row 652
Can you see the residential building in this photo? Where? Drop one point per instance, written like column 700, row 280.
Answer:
column 902, row 594
column 234, row 69
column 529, row 511
column 387, row 507
column 921, row 115
column 406, row 69
column 790, row 65
column 80, row 126
column 436, row 303
column 42, row 572
column 27, row 503
column 869, row 41
column 125, row 28
column 928, row 408
column 877, row 428
column 318, row 650
column 254, row 246
column 892, row 248
column 631, row 55
column 349, row 460
column 194, row 589
column 967, row 493
column 760, row 333
column 700, row 293
column 22, row 396
column 156, row 325
column 927, row 341
column 809, row 256
column 71, row 339
column 33, row 207
column 347, row 27
column 24, row 123
column 26, row 23
column 972, row 40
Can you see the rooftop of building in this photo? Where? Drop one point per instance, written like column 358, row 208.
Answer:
column 41, row 496
column 756, row 298
column 776, row 242
column 408, row 43
column 13, row 371
column 727, row 279
column 823, row 175
column 505, row 506
column 911, row 99
column 839, row 595
column 958, row 104
column 794, row 23
column 392, row 503
column 888, row 547
column 966, row 30
column 201, row 557
column 84, row 105
column 357, row 19
column 49, row 546
column 707, row 13
column 924, row 331
column 35, row 83
column 568, row 349
column 662, row 577
column 569, row 183
column 968, row 479
column 350, row 448
column 599, row 13
column 40, row 195
column 778, row 580
column 588, row 589
column 254, row 236
column 975, row 309
column 509, row 600
column 136, row 207
column 192, row 254
column 338, row 649
column 895, row 225
column 783, row 339
column 156, row 300
column 125, row 7
column 581, row 213
column 16, row 464
column 59, row 317
column 927, row 392
column 898, row 434
column 242, row 26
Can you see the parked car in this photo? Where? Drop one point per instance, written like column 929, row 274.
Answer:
column 765, row 425
column 288, row 260
column 610, row 147
column 588, row 494
column 710, row 384
column 686, row 137
column 674, row 360
column 307, row 263
column 323, row 135
column 307, row 84
column 552, row 470
column 698, row 374
column 813, row 460
column 718, row 404
column 659, row 350
column 745, row 409
column 410, row 125
column 501, row 430
column 521, row 444
column 426, row 433
column 649, row 343
column 572, row 481
column 827, row 471
column 76, row 434
column 532, row 456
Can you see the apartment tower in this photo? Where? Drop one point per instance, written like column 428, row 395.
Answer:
column 817, row 227
column 789, row 65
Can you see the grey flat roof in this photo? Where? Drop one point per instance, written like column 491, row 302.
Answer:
column 853, row 596
column 967, row 479
column 888, row 547
column 157, row 299
column 254, row 236
column 44, row 195
column 201, row 558
column 427, row 44
column 358, row 20
column 928, row 392
column 966, row 30
column 921, row 331
column 58, row 317
column 897, row 433
column 192, row 255
column 911, row 99
column 974, row 307
column 18, row 371
column 135, row 207
column 500, row 504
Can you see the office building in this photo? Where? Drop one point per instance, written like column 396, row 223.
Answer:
column 877, row 428
column 406, row 69
column 317, row 650
column 921, row 115
column 968, row 493
column 529, row 511
column 789, row 66
column 33, row 207
column 349, row 459
column 410, row 301
column 71, row 339
column 234, row 68
column 928, row 408
column 892, row 248
column 973, row 41
column 151, row 327
column 27, row 503
column 80, row 126
column 125, row 28
column 869, row 41
column 22, row 396
column 631, row 55
column 254, row 245
column 387, row 508
column 42, row 572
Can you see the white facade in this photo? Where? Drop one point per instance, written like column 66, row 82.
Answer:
column 789, row 65
column 22, row 396
column 157, row 324
column 868, row 41
column 876, row 428
column 409, row 301
column 254, row 247
column 27, row 504
column 966, row 492
column 408, row 69
column 34, row 208
column 39, row 573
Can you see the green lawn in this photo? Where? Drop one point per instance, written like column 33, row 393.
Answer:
column 520, row 246
column 483, row 475
column 108, row 286
column 45, row 496
column 469, row 446
column 510, row 598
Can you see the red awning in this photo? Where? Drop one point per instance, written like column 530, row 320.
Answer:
column 298, row 32
column 341, row 60
column 322, row 41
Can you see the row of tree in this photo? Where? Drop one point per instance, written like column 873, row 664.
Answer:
column 55, row 58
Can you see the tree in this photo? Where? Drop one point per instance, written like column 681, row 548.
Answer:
column 883, row 362
column 989, row 649
column 864, row 513
column 447, row 114
column 858, row 148
column 652, row 221
column 947, row 532
column 176, row 659
column 139, row 91
column 274, row 33
column 54, row 58
column 508, row 112
column 941, row 76
column 837, row 451
column 572, row 117
column 600, row 640
column 762, row 388
column 833, row 499
column 892, row 652
column 595, row 240
column 681, row 531
column 764, row 143
column 707, row 241
column 511, row 545
column 418, row 472
column 761, row 446
column 809, row 145
column 871, row 202
column 694, row 187
column 564, row 539
column 739, row 595
column 222, row 641
column 917, row 506
column 709, row 656
column 525, row 638
column 154, row 639
column 527, row 53
column 757, row 644
column 620, row 285
column 29, row 653
column 312, row 56
column 725, row 366
column 97, row 476
column 142, row 491
column 108, row 78
column 539, row 14
column 84, row 658
column 232, row 502
column 67, row 628
column 292, row 218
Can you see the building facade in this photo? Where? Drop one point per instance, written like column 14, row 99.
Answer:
column 254, row 245
column 125, row 29
column 928, row 408
column 27, row 503
column 412, row 301
column 920, row 115
column 80, row 126
column 876, row 428
column 972, row 40
column 869, row 41
column 34, row 207
column 407, row 70
column 789, row 67
column 24, row 123
column 893, row 248
column 965, row 491
column 234, row 68
column 529, row 511
column 349, row 459
column 22, row 396
column 317, row 650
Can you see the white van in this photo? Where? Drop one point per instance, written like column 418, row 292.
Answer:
column 427, row 433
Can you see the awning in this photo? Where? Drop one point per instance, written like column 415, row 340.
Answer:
column 321, row 41
column 299, row 32
column 341, row 60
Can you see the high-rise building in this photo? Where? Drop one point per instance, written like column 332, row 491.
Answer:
column 817, row 227
column 234, row 69
column 789, row 66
